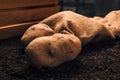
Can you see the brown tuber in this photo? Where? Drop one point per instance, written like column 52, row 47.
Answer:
column 51, row 51
column 60, row 37
column 37, row 30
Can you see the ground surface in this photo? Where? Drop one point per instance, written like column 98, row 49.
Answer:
column 96, row 62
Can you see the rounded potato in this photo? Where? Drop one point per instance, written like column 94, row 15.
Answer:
column 51, row 51
column 35, row 31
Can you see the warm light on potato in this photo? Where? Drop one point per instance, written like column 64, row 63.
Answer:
column 51, row 51
column 37, row 30
column 60, row 37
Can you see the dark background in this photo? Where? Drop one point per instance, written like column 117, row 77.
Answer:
column 90, row 7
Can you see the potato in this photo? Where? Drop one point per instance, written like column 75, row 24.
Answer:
column 86, row 29
column 60, row 37
column 37, row 30
column 51, row 51
column 113, row 22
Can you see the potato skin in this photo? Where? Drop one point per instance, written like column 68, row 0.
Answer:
column 51, row 51
column 37, row 30
column 113, row 22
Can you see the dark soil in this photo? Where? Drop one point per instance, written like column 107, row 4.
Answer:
column 96, row 62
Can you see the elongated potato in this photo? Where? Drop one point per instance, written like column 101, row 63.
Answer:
column 35, row 31
column 51, row 51
column 86, row 29
column 111, row 21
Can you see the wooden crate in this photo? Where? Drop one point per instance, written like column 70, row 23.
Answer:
column 17, row 15
column 7, row 4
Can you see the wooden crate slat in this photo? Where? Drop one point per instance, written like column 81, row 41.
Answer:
column 6, row 4
column 20, row 16
column 14, row 30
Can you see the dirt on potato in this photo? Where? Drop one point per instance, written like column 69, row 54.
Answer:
column 99, row 61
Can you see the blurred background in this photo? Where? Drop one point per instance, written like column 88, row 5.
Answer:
column 90, row 7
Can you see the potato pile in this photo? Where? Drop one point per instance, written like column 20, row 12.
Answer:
column 60, row 37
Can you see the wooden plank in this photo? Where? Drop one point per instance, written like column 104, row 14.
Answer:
column 14, row 30
column 25, row 15
column 6, row 4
